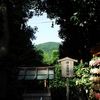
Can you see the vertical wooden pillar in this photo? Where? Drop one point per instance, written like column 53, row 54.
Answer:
column 67, row 88
column 45, row 83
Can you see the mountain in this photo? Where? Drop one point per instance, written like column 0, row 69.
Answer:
column 48, row 47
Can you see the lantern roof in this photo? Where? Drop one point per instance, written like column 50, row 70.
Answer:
column 67, row 58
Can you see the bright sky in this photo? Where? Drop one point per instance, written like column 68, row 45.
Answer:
column 45, row 32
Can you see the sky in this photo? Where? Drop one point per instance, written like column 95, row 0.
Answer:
column 45, row 32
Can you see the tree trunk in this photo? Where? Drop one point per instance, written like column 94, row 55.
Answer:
column 3, row 50
column 5, row 37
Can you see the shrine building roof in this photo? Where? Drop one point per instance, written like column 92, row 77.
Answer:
column 39, row 73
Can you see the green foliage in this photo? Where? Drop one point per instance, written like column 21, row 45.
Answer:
column 82, row 79
column 58, row 80
column 51, row 54
column 46, row 59
column 51, row 60
column 54, row 56
column 83, row 75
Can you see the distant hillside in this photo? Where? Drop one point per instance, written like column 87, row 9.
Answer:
column 48, row 47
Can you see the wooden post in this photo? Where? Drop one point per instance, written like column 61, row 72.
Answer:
column 67, row 88
column 45, row 84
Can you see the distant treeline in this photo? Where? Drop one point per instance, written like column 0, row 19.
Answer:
column 48, row 47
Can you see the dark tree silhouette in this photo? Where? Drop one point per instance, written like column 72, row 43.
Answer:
column 79, row 24
column 16, row 48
